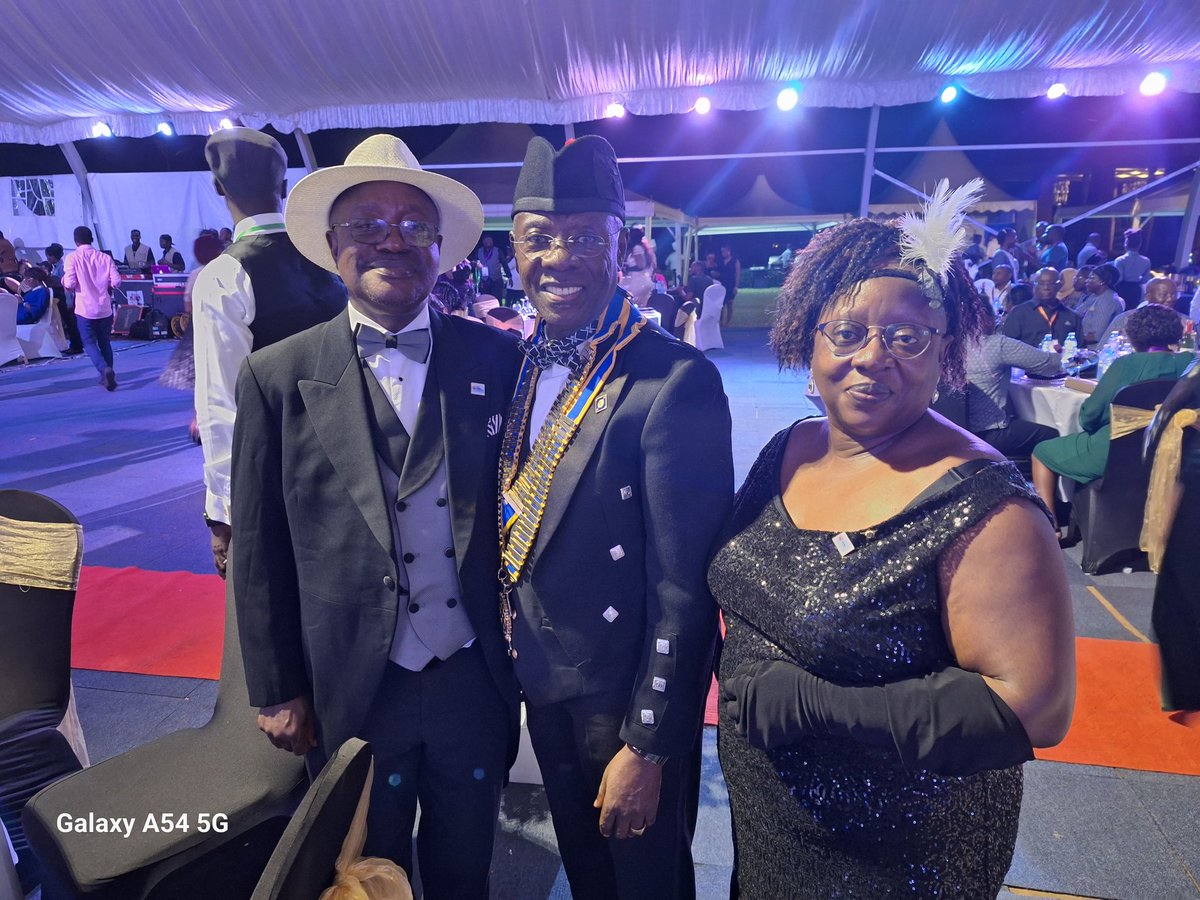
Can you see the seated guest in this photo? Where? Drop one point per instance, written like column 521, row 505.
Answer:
column 1090, row 253
column 698, row 282
column 1099, row 306
column 1152, row 330
column 1072, row 290
column 35, row 297
column 1158, row 290
column 1030, row 322
column 1019, row 292
column 990, row 362
column 995, row 287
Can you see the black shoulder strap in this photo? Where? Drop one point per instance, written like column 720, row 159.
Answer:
column 954, row 476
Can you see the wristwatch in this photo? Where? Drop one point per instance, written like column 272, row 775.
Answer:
column 211, row 522
column 657, row 758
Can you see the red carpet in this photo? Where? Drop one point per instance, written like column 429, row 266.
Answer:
column 1117, row 721
column 149, row 623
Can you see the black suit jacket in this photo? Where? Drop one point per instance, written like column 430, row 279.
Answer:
column 315, row 578
column 662, row 436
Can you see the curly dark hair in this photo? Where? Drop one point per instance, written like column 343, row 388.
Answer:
column 830, row 269
column 1153, row 325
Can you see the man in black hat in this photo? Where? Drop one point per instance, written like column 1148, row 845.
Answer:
column 259, row 291
column 616, row 473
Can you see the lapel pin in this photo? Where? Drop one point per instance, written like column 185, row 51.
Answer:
column 843, row 544
column 610, row 614
column 478, row 389
column 602, row 403
column 617, row 552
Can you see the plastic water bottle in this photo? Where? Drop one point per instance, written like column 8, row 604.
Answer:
column 1047, row 345
column 1070, row 346
column 1107, row 354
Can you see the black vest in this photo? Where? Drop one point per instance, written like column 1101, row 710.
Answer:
column 291, row 293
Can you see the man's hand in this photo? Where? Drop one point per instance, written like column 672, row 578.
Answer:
column 220, row 545
column 291, row 726
column 628, row 797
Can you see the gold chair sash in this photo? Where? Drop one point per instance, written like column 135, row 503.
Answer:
column 40, row 554
column 1128, row 419
column 1163, row 496
column 369, row 878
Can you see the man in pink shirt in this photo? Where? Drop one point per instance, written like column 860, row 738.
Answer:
column 92, row 275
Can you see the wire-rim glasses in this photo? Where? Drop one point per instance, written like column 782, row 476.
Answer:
column 585, row 245
column 375, row 231
column 903, row 340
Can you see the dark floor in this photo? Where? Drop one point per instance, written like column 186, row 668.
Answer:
column 122, row 462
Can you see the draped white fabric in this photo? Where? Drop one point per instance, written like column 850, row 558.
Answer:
column 355, row 63
column 175, row 203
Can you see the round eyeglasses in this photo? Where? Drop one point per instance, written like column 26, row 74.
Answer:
column 583, row 246
column 903, row 340
column 375, row 231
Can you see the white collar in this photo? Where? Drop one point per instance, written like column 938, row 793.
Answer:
column 256, row 223
column 358, row 317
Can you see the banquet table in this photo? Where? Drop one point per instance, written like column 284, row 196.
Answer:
column 1050, row 403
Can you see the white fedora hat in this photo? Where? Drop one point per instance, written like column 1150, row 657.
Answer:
column 382, row 157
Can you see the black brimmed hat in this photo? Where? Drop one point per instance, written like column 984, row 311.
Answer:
column 581, row 177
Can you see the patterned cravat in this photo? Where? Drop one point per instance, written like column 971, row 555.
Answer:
column 564, row 351
column 413, row 344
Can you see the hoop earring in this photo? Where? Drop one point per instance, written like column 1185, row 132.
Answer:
column 935, row 397
column 811, row 388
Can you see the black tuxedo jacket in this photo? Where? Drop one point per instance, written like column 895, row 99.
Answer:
column 315, row 578
column 632, row 515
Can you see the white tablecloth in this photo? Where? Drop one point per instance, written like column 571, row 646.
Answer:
column 1047, row 403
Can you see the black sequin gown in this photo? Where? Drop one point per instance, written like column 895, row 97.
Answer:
column 828, row 817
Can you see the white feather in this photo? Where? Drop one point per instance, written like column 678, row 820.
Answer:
column 933, row 238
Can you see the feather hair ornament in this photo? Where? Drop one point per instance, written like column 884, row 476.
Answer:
column 930, row 241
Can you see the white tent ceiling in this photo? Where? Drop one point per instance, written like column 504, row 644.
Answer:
column 314, row 64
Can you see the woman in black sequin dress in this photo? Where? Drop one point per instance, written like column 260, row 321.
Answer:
column 899, row 626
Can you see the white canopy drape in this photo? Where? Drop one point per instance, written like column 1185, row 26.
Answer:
column 363, row 63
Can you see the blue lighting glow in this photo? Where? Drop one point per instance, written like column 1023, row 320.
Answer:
column 102, row 129
column 703, row 106
column 165, row 129
column 787, row 99
column 949, row 94
column 1154, row 83
column 1056, row 90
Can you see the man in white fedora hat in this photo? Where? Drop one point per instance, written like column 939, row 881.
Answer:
column 364, row 530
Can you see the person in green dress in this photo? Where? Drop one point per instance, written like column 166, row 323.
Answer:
column 1152, row 330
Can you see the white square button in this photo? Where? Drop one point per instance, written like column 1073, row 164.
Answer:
column 611, row 614
column 627, row 493
column 478, row 390
column 659, row 684
column 647, row 717
column 663, row 646
column 617, row 552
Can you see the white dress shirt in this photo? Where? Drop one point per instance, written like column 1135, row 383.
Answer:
column 222, row 312
column 402, row 379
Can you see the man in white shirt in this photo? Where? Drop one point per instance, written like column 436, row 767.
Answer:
column 259, row 291
column 365, row 545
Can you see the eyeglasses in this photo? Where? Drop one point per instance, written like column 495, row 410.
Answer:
column 375, row 231
column 582, row 246
column 903, row 340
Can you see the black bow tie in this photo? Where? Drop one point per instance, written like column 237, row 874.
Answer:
column 563, row 351
column 413, row 344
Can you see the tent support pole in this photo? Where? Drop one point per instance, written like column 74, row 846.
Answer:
column 569, row 131
column 1145, row 187
column 1187, row 231
column 912, row 190
column 71, row 152
column 864, row 200
column 306, row 150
